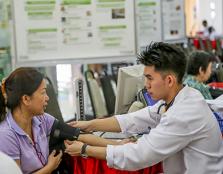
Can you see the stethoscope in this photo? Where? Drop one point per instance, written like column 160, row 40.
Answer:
column 167, row 106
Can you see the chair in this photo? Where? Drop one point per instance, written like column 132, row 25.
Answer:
column 218, row 48
column 96, row 95
column 219, row 118
column 202, row 44
column 209, row 46
column 109, row 94
column 53, row 107
column 219, row 72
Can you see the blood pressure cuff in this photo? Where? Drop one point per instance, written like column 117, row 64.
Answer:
column 61, row 131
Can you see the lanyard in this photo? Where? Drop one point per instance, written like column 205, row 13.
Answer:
column 39, row 153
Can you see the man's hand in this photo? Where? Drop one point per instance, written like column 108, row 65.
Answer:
column 106, row 125
column 83, row 125
column 73, row 148
column 125, row 141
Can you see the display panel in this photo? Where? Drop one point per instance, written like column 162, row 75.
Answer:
column 73, row 29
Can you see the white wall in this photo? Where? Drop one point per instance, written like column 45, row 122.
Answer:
column 204, row 12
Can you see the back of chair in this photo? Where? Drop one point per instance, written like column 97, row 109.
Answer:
column 219, row 117
column 96, row 95
column 202, row 45
column 219, row 72
column 209, row 46
column 109, row 94
column 53, row 107
column 218, row 48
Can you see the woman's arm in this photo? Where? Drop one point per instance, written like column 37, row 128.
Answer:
column 52, row 164
column 74, row 149
column 17, row 162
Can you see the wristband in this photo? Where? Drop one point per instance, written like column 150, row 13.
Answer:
column 83, row 151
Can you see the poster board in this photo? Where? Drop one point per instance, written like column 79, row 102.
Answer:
column 4, row 25
column 159, row 21
column 73, row 29
column 148, row 22
column 86, row 30
column 173, row 20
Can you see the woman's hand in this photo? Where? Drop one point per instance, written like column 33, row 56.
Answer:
column 73, row 148
column 54, row 161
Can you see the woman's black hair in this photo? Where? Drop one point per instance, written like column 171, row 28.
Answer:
column 197, row 60
column 22, row 81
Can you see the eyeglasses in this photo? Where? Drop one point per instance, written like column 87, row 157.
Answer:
column 42, row 159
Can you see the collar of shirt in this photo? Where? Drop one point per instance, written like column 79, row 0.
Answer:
column 162, row 107
column 14, row 126
column 181, row 94
column 192, row 80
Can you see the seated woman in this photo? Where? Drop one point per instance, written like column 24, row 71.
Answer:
column 25, row 127
column 199, row 71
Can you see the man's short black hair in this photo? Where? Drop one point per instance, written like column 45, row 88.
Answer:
column 198, row 59
column 164, row 57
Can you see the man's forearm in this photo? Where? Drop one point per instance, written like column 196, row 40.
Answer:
column 107, row 125
column 95, row 140
column 96, row 152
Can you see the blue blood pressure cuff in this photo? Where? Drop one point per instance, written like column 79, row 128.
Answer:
column 61, row 131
